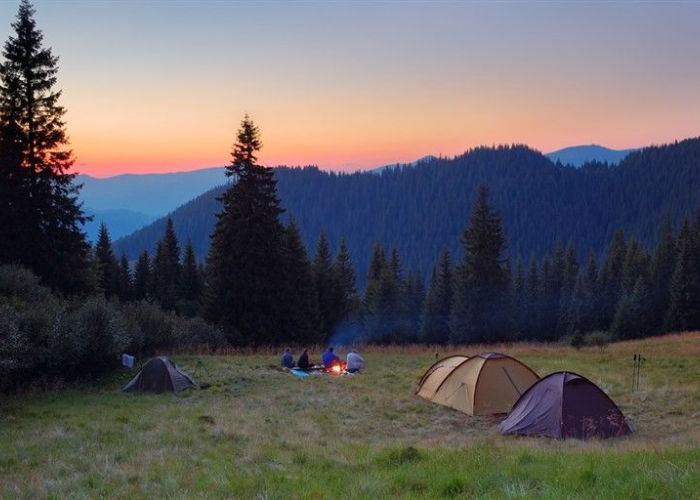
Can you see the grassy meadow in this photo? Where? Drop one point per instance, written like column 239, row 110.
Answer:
column 259, row 432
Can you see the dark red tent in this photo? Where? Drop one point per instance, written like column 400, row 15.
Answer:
column 565, row 405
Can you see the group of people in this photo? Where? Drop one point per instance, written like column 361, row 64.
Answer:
column 353, row 361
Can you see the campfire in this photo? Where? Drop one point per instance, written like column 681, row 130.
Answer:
column 337, row 369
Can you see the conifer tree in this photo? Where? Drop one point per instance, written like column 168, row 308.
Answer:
column 326, row 285
column 533, row 301
column 304, row 322
column 684, row 303
column 435, row 327
column 611, row 279
column 370, row 305
column 245, row 277
column 413, row 303
column 389, row 307
column 348, row 301
column 166, row 269
column 482, row 282
column 190, row 293
column 584, row 315
column 633, row 314
column 40, row 217
column 109, row 268
column 142, row 277
column 190, row 281
column 569, row 275
column 663, row 266
column 519, row 296
column 125, row 280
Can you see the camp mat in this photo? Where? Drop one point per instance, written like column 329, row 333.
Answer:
column 310, row 373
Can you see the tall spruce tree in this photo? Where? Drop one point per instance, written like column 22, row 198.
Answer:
column 480, row 310
column 190, row 284
column 107, row 262
column 684, row 302
column 167, row 268
column 413, row 303
column 435, row 327
column 519, row 298
column 303, row 326
column 326, row 285
column 389, row 307
column 142, row 277
column 370, row 301
column 40, row 217
column 348, row 299
column 126, row 282
column 633, row 316
column 533, row 301
column 664, row 264
column 611, row 279
column 245, row 277
column 583, row 308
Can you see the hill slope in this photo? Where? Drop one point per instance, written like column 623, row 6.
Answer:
column 149, row 194
column 423, row 208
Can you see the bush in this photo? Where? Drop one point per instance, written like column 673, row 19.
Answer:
column 157, row 327
column 576, row 340
column 197, row 332
column 102, row 333
column 598, row 338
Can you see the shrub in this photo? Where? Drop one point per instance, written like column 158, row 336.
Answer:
column 197, row 332
column 103, row 334
column 156, row 326
column 598, row 338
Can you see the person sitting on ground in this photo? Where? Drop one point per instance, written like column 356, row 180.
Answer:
column 303, row 362
column 287, row 358
column 355, row 363
column 329, row 358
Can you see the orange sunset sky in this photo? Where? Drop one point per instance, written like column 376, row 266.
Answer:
column 162, row 86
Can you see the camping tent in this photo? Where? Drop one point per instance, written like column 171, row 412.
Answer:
column 564, row 405
column 481, row 385
column 159, row 375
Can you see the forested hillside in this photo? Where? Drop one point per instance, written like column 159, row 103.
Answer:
column 423, row 208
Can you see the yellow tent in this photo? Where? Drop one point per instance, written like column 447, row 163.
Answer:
column 481, row 385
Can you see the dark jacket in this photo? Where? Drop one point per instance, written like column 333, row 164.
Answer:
column 303, row 361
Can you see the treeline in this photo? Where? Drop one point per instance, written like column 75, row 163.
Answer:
column 540, row 202
column 483, row 297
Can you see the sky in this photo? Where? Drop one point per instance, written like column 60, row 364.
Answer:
column 161, row 86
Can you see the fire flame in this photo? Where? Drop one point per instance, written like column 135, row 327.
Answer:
column 336, row 369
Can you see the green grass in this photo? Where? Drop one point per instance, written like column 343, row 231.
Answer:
column 258, row 432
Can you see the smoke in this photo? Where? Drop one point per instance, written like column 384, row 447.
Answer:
column 348, row 333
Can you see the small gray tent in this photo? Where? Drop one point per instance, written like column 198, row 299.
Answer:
column 159, row 375
column 565, row 405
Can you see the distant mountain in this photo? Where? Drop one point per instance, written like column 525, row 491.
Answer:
column 422, row 209
column 424, row 159
column 576, row 156
column 148, row 194
column 119, row 222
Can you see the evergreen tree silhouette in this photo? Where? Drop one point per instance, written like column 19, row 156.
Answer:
column 480, row 311
column 166, row 269
column 40, row 217
column 190, row 285
column 244, row 268
column 438, row 303
column 107, row 262
column 142, row 277
column 304, row 323
column 125, row 280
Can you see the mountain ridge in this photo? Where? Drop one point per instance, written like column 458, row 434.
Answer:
column 421, row 209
